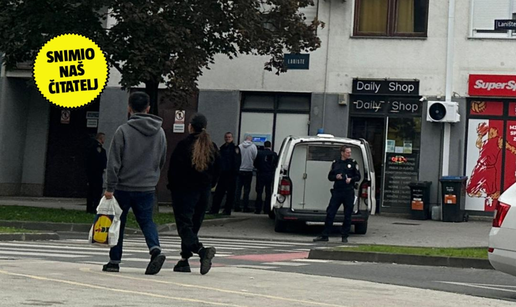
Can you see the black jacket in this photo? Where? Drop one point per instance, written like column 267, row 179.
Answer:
column 229, row 158
column 349, row 168
column 265, row 162
column 181, row 173
column 96, row 160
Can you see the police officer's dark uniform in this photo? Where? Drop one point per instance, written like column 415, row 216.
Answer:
column 265, row 164
column 229, row 166
column 342, row 193
column 96, row 161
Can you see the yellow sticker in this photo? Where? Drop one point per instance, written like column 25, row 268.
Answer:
column 70, row 70
column 101, row 229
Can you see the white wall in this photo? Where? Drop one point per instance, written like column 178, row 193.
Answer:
column 396, row 58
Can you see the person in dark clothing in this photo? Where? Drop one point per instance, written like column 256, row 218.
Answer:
column 229, row 166
column 345, row 174
column 96, row 161
column 265, row 164
column 194, row 168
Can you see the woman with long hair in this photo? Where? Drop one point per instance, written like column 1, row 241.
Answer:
column 192, row 173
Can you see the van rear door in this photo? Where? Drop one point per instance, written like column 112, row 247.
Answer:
column 317, row 186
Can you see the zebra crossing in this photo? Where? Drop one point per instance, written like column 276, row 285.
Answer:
column 136, row 253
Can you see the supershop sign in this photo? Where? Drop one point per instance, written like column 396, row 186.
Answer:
column 492, row 85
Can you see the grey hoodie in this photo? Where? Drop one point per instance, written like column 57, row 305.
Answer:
column 248, row 153
column 137, row 153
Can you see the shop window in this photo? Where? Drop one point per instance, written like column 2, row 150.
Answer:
column 294, row 103
column 258, row 102
column 397, row 18
column 484, row 14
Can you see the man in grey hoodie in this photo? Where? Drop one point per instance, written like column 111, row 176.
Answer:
column 248, row 152
column 136, row 156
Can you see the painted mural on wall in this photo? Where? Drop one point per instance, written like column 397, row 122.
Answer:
column 491, row 155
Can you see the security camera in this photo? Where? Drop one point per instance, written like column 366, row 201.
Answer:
column 423, row 99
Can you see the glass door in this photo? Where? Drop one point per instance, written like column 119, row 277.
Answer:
column 401, row 163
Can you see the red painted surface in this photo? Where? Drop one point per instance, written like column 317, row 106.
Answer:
column 492, row 85
column 271, row 257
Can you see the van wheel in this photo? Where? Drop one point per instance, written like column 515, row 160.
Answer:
column 361, row 228
column 279, row 225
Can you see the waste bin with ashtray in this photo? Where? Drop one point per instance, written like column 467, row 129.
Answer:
column 453, row 198
column 420, row 199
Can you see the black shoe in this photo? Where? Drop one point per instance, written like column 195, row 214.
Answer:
column 226, row 213
column 212, row 212
column 321, row 239
column 111, row 267
column 247, row 210
column 156, row 262
column 206, row 254
column 257, row 212
column 237, row 209
column 182, row 266
column 344, row 239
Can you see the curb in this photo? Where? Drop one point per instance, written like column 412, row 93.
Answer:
column 328, row 254
column 71, row 227
column 28, row 236
column 64, row 227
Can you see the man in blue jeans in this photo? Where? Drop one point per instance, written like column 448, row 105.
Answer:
column 137, row 154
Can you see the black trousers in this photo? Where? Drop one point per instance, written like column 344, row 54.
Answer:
column 225, row 186
column 263, row 181
column 94, row 194
column 346, row 197
column 189, row 209
column 244, row 180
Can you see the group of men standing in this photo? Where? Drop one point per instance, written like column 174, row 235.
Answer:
column 237, row 163
column 236, row 172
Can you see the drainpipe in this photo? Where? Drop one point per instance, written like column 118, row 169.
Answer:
column 449, row 84
column 326, row 66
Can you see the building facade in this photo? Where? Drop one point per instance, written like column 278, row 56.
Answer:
column 378, row 65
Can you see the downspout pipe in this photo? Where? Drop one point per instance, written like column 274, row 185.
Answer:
column 449, row 85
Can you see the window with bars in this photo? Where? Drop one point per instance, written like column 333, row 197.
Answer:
column 396, row 18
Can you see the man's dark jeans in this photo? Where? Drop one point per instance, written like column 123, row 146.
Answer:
column 264, row 181
column 244, row 180
column 346, row 197
column 142, row 204
column 225, row 186
column 189, row 209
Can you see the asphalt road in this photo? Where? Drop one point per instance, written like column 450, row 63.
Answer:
column 267, row 256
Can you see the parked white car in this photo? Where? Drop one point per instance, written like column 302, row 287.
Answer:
column 301, row 190
column 502, row 238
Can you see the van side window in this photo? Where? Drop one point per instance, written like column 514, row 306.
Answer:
column 323, row 153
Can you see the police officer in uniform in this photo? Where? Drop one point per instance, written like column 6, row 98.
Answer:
column 229, row 166
column 96, row 161
column 265, row 164
column 345, row 174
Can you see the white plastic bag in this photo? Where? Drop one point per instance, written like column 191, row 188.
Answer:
column 105, row 230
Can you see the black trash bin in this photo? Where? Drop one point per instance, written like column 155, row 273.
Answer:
column 420, row 200
column 453, row 198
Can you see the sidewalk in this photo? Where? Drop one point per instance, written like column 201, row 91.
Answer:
column 385, row 230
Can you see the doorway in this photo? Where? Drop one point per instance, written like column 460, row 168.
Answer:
column 69, row 134
column 372, row 129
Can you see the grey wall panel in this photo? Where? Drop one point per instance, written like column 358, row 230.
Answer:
column 14, row 108
column 112, row 112
column 35, row 145
column 430, row 157
column 222, row 109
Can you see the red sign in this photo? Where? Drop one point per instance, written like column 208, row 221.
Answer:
column 479, row 108
column 492, row 85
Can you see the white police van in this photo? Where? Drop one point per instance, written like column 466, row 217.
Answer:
column 301, row 190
